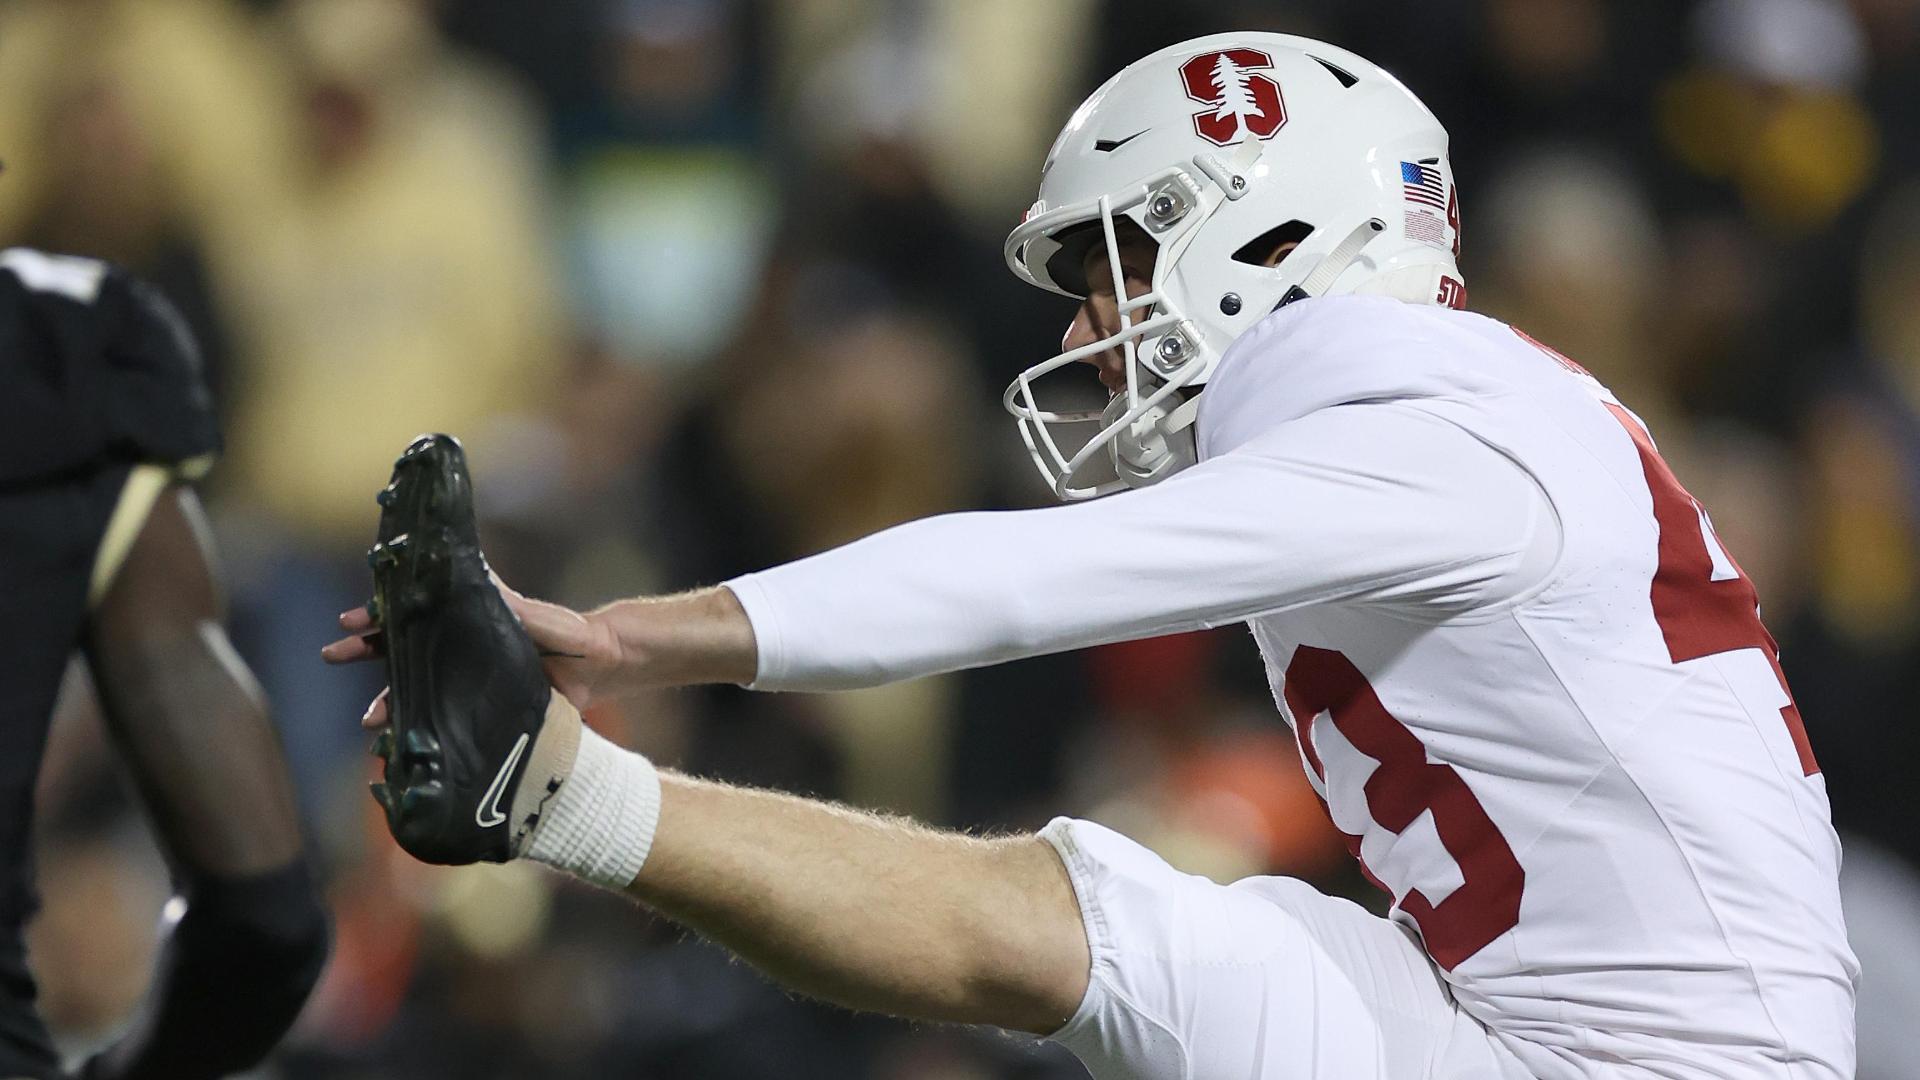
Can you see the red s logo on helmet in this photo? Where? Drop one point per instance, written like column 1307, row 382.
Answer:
column 1243, row 101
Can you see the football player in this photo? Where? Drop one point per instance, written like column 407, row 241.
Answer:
column 104, row 422
column 1531, row 684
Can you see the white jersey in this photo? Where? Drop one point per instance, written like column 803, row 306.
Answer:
column 1528, row 680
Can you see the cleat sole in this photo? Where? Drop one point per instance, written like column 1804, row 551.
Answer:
column 454, row 655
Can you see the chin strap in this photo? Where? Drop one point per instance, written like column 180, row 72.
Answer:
column 1182, row 417
column 1335, row 263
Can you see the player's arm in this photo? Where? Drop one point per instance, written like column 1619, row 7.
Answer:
column 1376, row 502
column 192, row 727
column 1371, row 503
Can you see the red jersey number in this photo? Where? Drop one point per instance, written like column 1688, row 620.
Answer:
column 1404, row 786
column 1705, row 604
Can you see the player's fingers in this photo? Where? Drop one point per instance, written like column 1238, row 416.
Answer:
column 554, row 628
column 350, row 649
column 517, row 602
column 363, row 645
column 377, row 714
column 344, row 651
column 531, row 613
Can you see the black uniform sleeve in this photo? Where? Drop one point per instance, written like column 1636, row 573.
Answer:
column 101, row 369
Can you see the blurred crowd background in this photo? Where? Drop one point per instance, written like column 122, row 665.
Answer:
column 710, row 284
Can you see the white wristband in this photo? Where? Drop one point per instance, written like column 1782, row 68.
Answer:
column 601, row 824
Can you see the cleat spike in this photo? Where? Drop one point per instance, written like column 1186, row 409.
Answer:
column 383, row 795
column 410, row 801
column 373, row 609
column 382, row 744
column 385, row 497
column 421, row 743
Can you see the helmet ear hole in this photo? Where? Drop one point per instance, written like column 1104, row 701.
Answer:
column 1263, row 249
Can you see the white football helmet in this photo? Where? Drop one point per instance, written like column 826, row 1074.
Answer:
column 1221, row 148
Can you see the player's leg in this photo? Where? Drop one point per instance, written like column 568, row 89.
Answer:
column 1144, row 972
column 858, row 909
column 1265, row 979
column 871, row 912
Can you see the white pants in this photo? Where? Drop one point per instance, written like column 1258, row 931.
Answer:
column 1264, row 979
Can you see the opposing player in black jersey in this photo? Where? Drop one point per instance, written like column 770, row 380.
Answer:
column 104, row 421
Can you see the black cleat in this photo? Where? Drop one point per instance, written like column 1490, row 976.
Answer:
column 468, row 771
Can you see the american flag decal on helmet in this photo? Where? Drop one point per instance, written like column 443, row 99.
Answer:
column 1425, row 185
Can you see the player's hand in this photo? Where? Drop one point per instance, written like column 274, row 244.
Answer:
column 577, row 651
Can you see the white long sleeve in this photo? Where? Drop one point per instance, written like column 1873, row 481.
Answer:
column 1377, row 503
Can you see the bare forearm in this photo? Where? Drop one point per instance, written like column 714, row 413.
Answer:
column 623, row 648
column 189, row 721
column 684, row 640
column 871, row 912
column 184, row 710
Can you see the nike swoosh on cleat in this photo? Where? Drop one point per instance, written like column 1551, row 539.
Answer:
column 488, row 814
